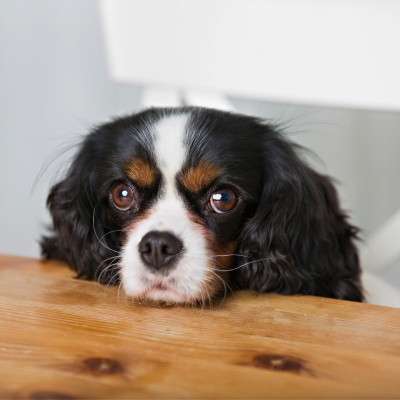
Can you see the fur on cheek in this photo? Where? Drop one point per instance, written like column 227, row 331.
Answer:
column 128, row 231
column 221, row 259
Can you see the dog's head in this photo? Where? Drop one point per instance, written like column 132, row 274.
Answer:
column 178, row 203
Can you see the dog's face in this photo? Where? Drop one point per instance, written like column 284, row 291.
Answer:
column 180, row 192
column 178, row 203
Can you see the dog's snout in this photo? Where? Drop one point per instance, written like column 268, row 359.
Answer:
column 159, row 250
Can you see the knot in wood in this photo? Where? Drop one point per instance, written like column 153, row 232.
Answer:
column 275, row 362
column 100, row 366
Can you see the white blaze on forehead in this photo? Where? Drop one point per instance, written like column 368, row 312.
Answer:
column 169, row 148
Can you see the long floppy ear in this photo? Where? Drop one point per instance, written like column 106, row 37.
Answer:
column 80, row 223
column 299, row 240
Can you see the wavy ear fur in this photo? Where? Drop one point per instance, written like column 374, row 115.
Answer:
column 299, row 240
column 78, row 216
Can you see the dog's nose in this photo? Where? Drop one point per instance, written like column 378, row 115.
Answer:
column 159, row 250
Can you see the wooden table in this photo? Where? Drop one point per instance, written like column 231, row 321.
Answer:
column 67, row 338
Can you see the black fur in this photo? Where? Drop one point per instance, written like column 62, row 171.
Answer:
column 292, row 234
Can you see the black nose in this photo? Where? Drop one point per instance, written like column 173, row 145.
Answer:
column 160, row 250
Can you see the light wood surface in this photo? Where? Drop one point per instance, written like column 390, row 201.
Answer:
column 67, row 338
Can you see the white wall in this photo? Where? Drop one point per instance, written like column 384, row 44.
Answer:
column 54, row 85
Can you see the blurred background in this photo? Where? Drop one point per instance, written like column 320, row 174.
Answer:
column 64, row 68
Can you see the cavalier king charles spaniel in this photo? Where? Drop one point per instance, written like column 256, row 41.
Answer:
column 177, row 203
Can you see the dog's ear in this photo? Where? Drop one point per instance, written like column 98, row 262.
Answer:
column 299, row 240
column 79, row 223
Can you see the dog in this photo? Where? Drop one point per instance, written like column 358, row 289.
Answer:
column 177, row 204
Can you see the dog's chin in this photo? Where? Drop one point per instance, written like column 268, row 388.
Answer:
column 163, row 293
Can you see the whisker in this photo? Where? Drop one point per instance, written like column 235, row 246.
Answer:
column 228, row 255
column 225, row 283
column 119, row 288
column 107, row 268
column 209, row 297
column 203, row 298
column 112, row 277
column 94, row 229
column 117, row 230
column 243, row 265
column 110, row 258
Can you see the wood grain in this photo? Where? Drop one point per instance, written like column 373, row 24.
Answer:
column 66, row 338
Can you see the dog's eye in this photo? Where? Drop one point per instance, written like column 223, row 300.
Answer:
column 122, row 197
column 223, row 200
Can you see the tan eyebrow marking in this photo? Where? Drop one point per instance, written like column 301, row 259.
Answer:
column 142, row 173
column 199, row 177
